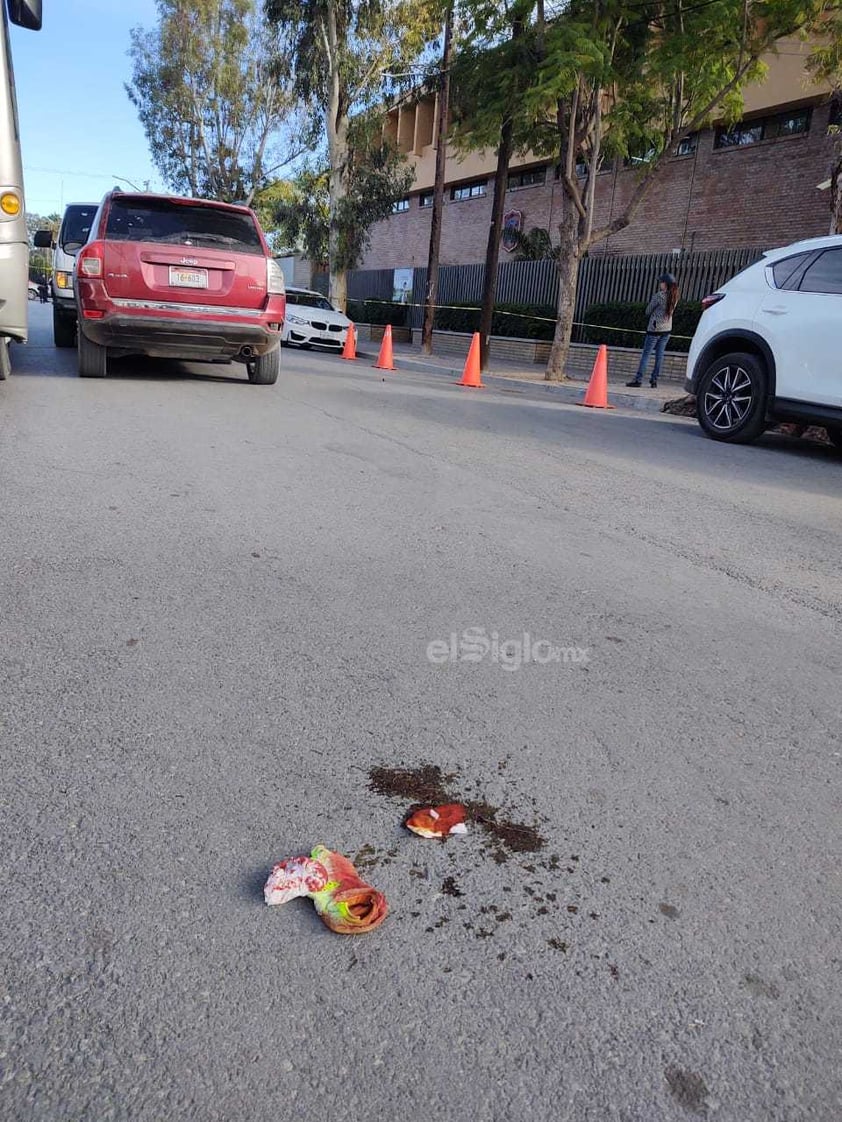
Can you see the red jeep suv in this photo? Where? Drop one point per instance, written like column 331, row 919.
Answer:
column 178, row 278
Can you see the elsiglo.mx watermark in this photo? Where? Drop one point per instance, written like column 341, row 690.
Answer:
column 475, row 644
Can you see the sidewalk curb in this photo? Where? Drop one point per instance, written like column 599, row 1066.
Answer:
column 570, row 392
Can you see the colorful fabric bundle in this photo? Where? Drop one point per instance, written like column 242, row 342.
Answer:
column 297, row 876
column 344, row 901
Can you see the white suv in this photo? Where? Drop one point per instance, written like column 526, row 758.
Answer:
column 768, row 347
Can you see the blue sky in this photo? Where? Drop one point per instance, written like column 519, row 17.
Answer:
column 79, row 131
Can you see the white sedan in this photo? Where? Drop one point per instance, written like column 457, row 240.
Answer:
column 312, row 321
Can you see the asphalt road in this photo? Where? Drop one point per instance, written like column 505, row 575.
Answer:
column 215, row 609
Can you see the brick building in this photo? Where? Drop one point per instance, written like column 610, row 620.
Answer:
column 752, row 185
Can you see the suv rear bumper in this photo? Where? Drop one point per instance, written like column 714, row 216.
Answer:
column 164, row 337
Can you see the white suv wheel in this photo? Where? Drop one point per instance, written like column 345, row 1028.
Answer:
column 731, row 399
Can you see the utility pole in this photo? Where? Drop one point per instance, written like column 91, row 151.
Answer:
column 440, row 137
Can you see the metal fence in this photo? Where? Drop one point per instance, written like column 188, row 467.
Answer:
column 602, row 280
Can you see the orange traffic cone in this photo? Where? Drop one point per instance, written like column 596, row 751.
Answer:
column 471, row 374
column 385, row 361
column 596, row 395
column 349, row 351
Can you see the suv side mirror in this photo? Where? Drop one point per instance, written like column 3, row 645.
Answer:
column 43, row 239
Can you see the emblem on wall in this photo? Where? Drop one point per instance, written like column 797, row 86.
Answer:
column 512, row 226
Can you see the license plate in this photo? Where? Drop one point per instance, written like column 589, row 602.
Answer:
column 188, row 278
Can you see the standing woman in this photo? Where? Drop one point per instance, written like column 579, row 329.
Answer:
column 658, row 328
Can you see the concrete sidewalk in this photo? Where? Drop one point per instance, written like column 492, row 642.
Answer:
column 513, row 377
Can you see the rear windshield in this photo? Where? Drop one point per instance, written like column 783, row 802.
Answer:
column 158, row 220
column 76, row 225
column 309, row 300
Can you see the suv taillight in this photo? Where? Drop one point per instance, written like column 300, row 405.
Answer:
column 90, row 260
column 714, row 298
column 274, row 278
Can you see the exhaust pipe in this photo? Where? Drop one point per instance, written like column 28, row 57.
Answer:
column 247, row 352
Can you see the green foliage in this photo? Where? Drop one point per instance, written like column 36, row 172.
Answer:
column 493, row 71
column 40, row 265
column 341, row 54
column 206, row 85
column 534, row 245
column 378, row 312
column 514, row 321
column 377, row 176
column 354, row 43
column 620, row 315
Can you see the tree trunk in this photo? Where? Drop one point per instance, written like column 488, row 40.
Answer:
column 568, row 276
column 492, row 252
column 336, row 122
column 431, row 294
column 338, row 154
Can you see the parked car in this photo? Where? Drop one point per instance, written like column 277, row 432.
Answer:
column 33, row 292
column 178, row 278
column 767, row 348
column 72, row 235
column 312, row 321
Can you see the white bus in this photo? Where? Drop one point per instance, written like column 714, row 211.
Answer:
column 14, row 244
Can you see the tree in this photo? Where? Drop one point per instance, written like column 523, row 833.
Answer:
column 442, row 112
column 342, row 53
column 206, row 82
column 615, row 78
column 376, row 176
column 535, row 245
column 606, row 80
column 825, row 65
column 492, row 75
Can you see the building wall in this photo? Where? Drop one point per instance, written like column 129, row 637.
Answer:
column 763, row 194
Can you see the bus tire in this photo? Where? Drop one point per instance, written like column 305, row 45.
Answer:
column 5, row 360
column 64, row 330
column 93, row 358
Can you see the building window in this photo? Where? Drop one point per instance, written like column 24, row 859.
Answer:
column 744, row 133
column 639, row 155
column 687, row 145
column 468, row 191
column 426, row 199
column 400, row 205
column 534, row 178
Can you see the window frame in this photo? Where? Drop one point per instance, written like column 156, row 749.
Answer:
column 691, row 136
column 769, row 126
column 426, row 195
column 477, row 188
column 523, row 173
column 400, row 206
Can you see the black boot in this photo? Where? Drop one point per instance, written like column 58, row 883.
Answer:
column 635, row 383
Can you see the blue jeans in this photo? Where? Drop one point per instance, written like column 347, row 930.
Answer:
column 658, row 343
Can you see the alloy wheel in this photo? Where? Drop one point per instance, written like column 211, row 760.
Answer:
column 728, row 398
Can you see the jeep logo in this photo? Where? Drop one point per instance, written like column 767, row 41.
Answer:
column 189, row 261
